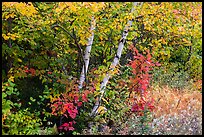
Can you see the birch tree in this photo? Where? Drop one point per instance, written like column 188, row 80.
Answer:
column 114, row 63
column 87, row 54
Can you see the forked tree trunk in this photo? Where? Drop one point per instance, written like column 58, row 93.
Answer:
column 114, row 63
column 87, row 55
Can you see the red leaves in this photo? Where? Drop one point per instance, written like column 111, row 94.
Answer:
column 73, row 113
column 71, row 109
column 79, row 104
column 84, row 98
column 31, row 70
column 67, row 126
column 141, row 104
column 157, row 64
column 141, row 65
column 67, row 105
column 76, row 98
column 26, row 71
column 49, row 72
column 176, row 11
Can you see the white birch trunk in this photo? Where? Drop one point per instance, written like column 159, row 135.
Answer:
column 114, row 63
column 87, row 54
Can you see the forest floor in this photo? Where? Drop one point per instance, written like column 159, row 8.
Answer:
column 177, row 112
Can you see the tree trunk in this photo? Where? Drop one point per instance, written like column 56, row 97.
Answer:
column 87, row 55
column 114, row 63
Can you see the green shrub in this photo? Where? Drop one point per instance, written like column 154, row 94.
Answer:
column 15, row 120
column 22, row 123
column 172, row 76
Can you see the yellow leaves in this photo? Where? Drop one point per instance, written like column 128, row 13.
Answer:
column 13, row 37
column 171, row 19
column 101, row 110
column 25, row 9
column 63, row 5
column 52, row 99
column 11, row 78
column 95, row 9
column 83, row 42
column 186, row 41
column 106, row 30
column 96, row 93
column 5, row 36
column 3, row 118
column 157, row 43
column 119, row 27
column 182, row 31
column 10, row 36
column 101, row 38
column 102, row 5
column 57, row 10
column 106, row 102
column 163, row 41
column 61, row 19
column 12, row 15
column 148, row 27
column 115, row 71
column 117, row 6
column 8, row 4
column 94, row 6
column 149, row 8
column 47, row 22
column 97, row 89
column 85, row 4
column 130, row 16
column 67, row 4
column 73, row 8
column 19, row 60
column 197, row 33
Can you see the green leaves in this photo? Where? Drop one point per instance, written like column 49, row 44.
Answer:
column 33, row 100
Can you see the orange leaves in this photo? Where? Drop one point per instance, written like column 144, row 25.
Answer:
column 198, row 84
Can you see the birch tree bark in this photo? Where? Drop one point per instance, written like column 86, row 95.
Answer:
column 114, row 63
column 87, row 55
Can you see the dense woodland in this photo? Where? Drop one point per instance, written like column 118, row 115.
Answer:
column 99, row 68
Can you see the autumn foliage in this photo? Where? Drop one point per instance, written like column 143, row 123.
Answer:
column 43, row 54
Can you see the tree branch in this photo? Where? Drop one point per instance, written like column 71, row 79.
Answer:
column 74, row 38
